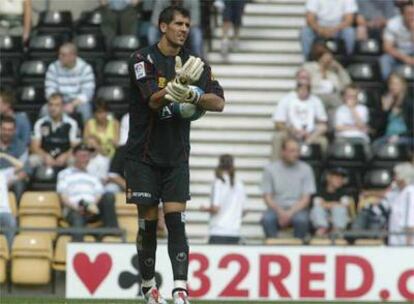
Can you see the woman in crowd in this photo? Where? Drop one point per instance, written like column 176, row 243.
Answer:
column 329, row 78
column 104, row 127
column 227, row 202
column 394, row 121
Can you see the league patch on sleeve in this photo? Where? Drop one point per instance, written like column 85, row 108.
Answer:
column 139, row 69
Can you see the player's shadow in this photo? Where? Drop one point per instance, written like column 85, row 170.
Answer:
column 128, row 279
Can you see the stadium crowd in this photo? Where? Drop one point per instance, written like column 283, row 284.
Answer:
column 72, row 141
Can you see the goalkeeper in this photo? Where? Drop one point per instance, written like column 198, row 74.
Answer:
column 158, row 144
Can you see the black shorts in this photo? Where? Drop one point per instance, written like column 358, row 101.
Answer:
column 148, row 184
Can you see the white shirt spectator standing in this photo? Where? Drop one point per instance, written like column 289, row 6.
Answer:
column 401, row 202
column 301, row 115
column 329, row 19
column 228, row 199
column 398, row 41
column 72, row 77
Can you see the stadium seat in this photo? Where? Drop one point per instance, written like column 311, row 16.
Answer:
column 377, row 178
column 8, row 68
column 347, row 155
column 116, row 72
column 40, row 210
column 336, row 46
column 284, row 241
column 90, row 46
column 32, row 72
column 364, row 72
column 30, row 94
column 406, row 71
column 45, row 46
column 369, row 47
column 55, row 22
column 31, row 259
column 11, row 47
column 59, row 257
column 12, row 202
column 127, row 216
column 370, row 97
column 117, row 96
column 89, row 23
column 321, row 242
column 112, row 239
column 4, row 258
column 123, row 46
column 389, row 154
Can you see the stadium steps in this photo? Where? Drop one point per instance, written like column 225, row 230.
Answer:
column 254, row 79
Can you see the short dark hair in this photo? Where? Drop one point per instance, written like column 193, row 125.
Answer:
column 7, row 119
column 55, row 96
column 82, row 147
column 101, row 105
column 167, row 14
column 287, row 140
column 318, row 50
column 8, row 97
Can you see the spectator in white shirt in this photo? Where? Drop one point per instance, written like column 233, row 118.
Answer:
column 82, row 194
column 7, row 219
column 351, row 118
column 398, row 41
column 72, row 77
column 401, row 202
column 99, row 163
column 329, row 19
column 301, row 115
column 228, row 199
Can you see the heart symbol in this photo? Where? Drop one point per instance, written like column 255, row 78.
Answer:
column 92, row 273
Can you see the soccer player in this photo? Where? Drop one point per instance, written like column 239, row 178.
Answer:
column 158, row 144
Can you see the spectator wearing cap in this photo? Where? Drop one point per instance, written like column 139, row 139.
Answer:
column 398, row 41
column 82, row 194
column 53, row 136
column 330, row 205
column 23, row 126
column 301, row 115
column 72, row 77
column 287, row 187
column 99, row 163
column 11, row 145
column 400, row 198
column 328, row 19
column 372, row 17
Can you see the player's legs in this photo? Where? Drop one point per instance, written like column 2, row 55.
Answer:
column 174, row 194
column 178, row 248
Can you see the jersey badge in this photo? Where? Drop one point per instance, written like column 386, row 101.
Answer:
column 139, row 69
column 162, row 82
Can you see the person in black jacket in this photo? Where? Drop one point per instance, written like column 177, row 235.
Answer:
column 158, row 144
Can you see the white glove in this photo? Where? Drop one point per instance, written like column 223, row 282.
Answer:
column 190, row 72
column 177, row 92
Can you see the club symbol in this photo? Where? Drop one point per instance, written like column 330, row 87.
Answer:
column 127, row 279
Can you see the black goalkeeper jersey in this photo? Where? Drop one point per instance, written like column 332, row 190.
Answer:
column 159, row 138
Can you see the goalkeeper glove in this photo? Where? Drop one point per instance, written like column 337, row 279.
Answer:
column 190, row 72
column 176, row 92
